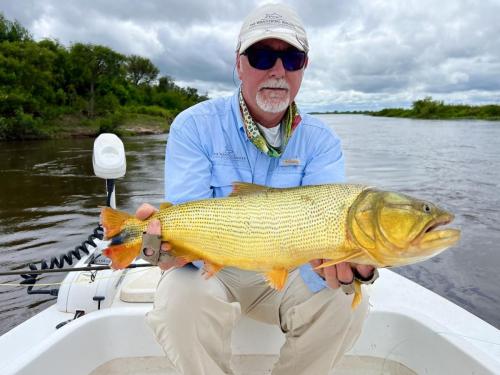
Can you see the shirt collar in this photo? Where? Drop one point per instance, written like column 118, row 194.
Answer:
column 235, row 106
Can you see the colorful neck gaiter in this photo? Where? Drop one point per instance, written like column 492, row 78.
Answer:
column 288, row 124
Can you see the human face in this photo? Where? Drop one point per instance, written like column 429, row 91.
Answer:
column 268, row 93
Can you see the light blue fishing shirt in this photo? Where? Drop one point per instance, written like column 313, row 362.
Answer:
column 208, row 149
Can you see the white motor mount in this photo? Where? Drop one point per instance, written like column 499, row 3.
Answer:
column 89, row 290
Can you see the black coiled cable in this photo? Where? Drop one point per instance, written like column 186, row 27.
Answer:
column 60, row 262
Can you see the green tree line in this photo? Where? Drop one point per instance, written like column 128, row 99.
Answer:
column 46, row 87
column 429, row 108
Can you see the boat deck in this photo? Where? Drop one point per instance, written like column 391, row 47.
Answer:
column 251, row 365
column 408, row 331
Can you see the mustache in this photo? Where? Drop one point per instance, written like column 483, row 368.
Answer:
column 274, row 84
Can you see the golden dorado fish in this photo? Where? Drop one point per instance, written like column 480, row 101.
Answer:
column 273, row 230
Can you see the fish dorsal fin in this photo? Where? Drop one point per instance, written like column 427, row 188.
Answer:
column 245, row 188
column 165, row 205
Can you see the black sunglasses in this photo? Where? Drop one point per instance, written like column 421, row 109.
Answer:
column 265, row 58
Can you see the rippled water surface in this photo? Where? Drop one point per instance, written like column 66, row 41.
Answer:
column 49, row 199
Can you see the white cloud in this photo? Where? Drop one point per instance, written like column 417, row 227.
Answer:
column 364, row 54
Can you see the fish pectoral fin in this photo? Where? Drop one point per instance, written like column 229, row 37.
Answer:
column 165, row 205
column 276, row 278
column 211, row 269
column 358, row 294
column 245, row 188
column 123, row 254
column 340, row 259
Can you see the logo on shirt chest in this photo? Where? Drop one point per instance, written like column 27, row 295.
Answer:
column 227, row 154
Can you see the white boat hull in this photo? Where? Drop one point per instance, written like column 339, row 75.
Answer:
column 408, row 326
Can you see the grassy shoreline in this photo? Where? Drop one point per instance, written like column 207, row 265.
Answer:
column 138, row 124
column 143, row 120
column 383, row 114
column 49, row 90
column 429, row 109
column 122, row 123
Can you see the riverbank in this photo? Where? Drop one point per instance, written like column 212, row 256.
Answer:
column 122, row 125
column 51, row 91
column 429, row 109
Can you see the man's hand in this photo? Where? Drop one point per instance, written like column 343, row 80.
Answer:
column 342, row 273
column 154, row 227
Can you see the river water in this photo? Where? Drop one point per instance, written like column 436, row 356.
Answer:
column 49, row 199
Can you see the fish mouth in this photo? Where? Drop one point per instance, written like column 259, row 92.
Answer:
column 432, row 239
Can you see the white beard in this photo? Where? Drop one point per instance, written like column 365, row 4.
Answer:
column 273, row 103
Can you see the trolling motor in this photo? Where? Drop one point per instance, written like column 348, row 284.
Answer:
column 83, row 291
column 109, row 163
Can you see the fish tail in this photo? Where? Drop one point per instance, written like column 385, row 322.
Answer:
column 124, row 231
column 113, row 221
column 122, row 255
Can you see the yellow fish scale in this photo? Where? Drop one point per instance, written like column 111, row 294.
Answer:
column 260, row 231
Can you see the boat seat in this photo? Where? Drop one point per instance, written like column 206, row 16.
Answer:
column 139, row 285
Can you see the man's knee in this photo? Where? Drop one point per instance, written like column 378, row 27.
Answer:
column 171, row 299
column 351, row 320
column 183, row 297
column 177, row 293
column 329, row 312
column 341, row 308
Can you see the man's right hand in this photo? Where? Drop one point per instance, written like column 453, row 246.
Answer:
column 342, row 275
column 154, row 227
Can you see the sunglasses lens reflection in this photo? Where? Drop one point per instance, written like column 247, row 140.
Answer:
column 264, row 59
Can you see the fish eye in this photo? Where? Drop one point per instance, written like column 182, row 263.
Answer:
column 426, row 208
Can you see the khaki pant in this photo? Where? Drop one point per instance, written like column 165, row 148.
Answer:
column 193, row 320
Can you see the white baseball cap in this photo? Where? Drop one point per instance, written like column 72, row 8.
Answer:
column 279, row 21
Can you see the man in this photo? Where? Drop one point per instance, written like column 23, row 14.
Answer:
column 258, row 136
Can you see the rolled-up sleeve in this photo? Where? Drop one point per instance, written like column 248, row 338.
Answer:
column 187, row 166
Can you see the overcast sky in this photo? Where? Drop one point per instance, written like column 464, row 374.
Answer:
column 365, row 54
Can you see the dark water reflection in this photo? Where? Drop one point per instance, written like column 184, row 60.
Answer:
column 49, row 199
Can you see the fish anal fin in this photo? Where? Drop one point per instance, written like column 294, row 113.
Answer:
column 276, row 278
column 245, row 188
column 340, row 259
column 165, row 205
column 211, row 269
column 122, row 255
column 113, row 220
